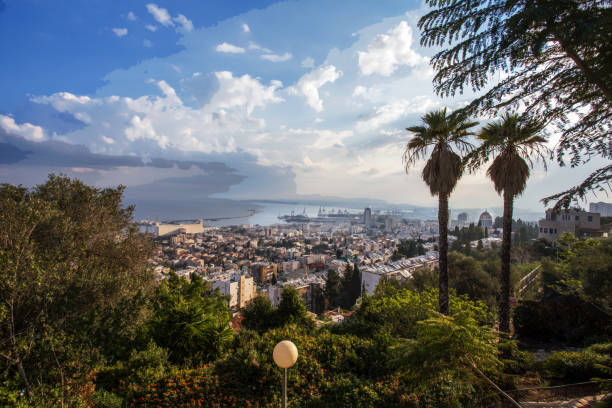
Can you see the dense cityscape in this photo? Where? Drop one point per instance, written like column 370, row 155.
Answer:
column 306, row 203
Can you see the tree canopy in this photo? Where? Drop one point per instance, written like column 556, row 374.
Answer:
column 553, row 60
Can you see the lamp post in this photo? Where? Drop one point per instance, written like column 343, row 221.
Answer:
column 285, row 355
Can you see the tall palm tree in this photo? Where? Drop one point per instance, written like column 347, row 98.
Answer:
column 441, row 132
column 515, row 143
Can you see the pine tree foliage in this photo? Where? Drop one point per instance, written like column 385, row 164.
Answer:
column 553, row 59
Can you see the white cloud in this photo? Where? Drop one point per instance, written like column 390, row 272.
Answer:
column 388, row 51
column 277, row 58
column 308, row 62
column 108, row 140
column 394, row 111
column 143, row 129
column 246, row 28
column 229, row 48
column 359, row 90
column 160, row 14
column 147, row 43
column 65, row 101
column 243, row 91
column 131, row 16
column 309, row 84
column 186, row 25
column 25, row 130
column 120, row 32
column 151, row 27
column 255, row 46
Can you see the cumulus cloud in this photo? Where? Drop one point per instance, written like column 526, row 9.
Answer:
column 246, row 28
column 388, row 51
column 391, row 112
column 277, row 58
column 131, row 16
column 120, row 32
column 229, row 48
column 151, row 27
column 150, row 123
column 185, row 24
column 160, row 14
column 25, row 130
column 309, row 85
column 143, row 129
column 243, row 91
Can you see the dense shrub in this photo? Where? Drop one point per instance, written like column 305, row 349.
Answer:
column 561, row 318
column 577, row 365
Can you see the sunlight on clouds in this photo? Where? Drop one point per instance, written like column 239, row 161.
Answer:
column 25, row 130
column 388, row 51
column 243, row 91
column 308, row 85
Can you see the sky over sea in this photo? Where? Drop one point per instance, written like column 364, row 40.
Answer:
column 229, row 99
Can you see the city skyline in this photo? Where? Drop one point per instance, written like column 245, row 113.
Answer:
column 277, row 100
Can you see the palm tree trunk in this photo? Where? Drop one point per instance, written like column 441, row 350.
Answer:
column 504, row 300
column 443, row 251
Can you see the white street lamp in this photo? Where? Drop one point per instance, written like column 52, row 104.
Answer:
column 285, row 355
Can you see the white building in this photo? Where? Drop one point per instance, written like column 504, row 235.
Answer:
column 400, row 270
column 240, row 288
column 604, row 209
column 161, row 230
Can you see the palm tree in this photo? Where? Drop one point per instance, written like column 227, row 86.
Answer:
column 515, row 143
column 441, row 132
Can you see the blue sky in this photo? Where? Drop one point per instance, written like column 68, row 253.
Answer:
column 293, row 98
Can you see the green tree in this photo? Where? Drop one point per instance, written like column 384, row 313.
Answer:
column 409, row 248
column 72, row 268
column 291, row 309
column 556, row 57
column 259, row 315
column 332, row 288
column 468, row 277
column 188, row 321
column 441, row 132
column 515, row 143
column 448, row 358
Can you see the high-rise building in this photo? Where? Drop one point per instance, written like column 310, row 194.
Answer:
column 604, row 209
column 367, row 217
